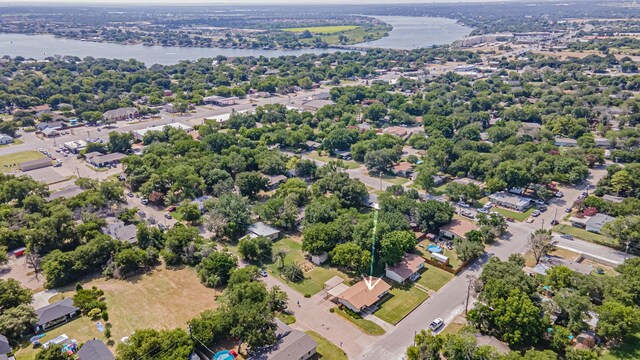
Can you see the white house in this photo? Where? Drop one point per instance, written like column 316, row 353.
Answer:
column 262, row 229
column 407, row 269
column 5, row 139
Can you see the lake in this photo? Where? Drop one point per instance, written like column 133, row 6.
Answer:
column 409, row 32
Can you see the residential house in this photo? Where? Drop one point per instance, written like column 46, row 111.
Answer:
column 457, row 228
column 372, row 201
column 362, row 296
column 120, row 231
column 321, row 96
column 275, row 180
column 35, row 164
column 343, row 154
column 597, row 221
column 565, row 142
column 613, row 199
column 397, row 131
column 121, row 114
column 407, row 269
column 290, row 345
column 403, row 169
column 603, row 142
column 312, row 145
column 364, row 127
column 95, row 350
column 510, row 201
column 467, row 181
column 200, row 202
column 262, row 229
column 55, row 314
column 438, row 180
column 170, row 108
column 5, row 348
column 5, row 139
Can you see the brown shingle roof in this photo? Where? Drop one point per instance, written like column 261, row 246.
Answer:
column 459, row 227
column 409, row 264
column 360, row 296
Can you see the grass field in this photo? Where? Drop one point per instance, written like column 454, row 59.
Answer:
column 349, row 164
column 327, row 349
column 584, row 235
column 512, row 214
column 397, row 180
column 323, row 29
column 286, row 318
column 367, row 326
column 7, row 160
column 452, row 328
column 434, row 278
column 403, row 301
column 314, row 278
column 162, row 299
column 629, row 350
column 454, row 262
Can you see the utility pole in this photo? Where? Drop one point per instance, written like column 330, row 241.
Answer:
column 542, row 225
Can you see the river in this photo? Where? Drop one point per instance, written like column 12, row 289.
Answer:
column 408, row 33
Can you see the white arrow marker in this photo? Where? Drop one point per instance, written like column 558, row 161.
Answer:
column 370, row 283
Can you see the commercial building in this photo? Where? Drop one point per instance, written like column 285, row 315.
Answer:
column 220, row 100
column 35, row 164
column 75, row 146
column 139, row 134
column 361, row 296
column 315, row 105
column 104, row 160
column 407, row 269
column 510, row 201
column 121, row 114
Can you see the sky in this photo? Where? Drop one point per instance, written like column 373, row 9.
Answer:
column 236, row 2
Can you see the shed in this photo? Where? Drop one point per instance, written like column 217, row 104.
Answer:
column 35, row 164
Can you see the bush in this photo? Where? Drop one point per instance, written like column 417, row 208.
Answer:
column 94, row 313
column 307, row 295
column 332, row 310
column 105, row 315
column 89, row 299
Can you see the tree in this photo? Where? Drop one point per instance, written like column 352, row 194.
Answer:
column 617, row 321
column 190, row 212
column 149, row 344
column 425, row 177
column 17, row 322
column 250, row 183
column 541, row 244
column 626, row 230
column 89, row 299
column 621, row 182
column 4, row 258
column 306, row 169
column 394, row 245
column 53, row 352
column 426, row 347
column 210, row 326
column 277, row 299
column 120, row 142
column 215, row 269
column 432, row 214
column 380, row 161
column 255, row 249
column 573, row 307
column 467, row 249
column 495, row 222
column 292, row 272
column 13, row 294
column 230, row 212
column 516, row 319
column 351, row 256
column 248, row 308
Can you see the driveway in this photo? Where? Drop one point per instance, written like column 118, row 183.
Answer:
column 41, row 299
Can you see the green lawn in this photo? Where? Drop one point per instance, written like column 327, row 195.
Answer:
column 327, row 349
column 323, row 29
column 434, row 278
column 629, row 350
column 512, row 214
column 438, row 191
column 403, row 301
column 367, row 326
column 350, row 164
column 585, row 235
column 397, row 180
column 6, row 161
column 454, row 262
column 286, row 318
column 314, row 279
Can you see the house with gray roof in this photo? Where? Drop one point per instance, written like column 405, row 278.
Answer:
column 262, row 229
column 55, row 314
column 291, row 345
column 5, row 348
column 128, row 113
column 95, row 350
column 597, row 221
column 120, row 231
column 5, row 139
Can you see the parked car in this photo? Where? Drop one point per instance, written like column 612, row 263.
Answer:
column 559, row 194
column 436, row 324
column 567, row 210
column 539, row 202
column 567, row 236
column 152, row 221
column 535, row 213
column 162, row 227
column 484, row 211
column 529, row 220
column 463, row 204
column 171, row 208
column 542, row 208
column 488, row 205
column 466, row 213
column 130, row 194
column 144, row 201
column 167, row 216
column 510, row 219
column 554, row 222
column 263, row 273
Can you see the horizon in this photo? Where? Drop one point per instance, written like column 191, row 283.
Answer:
column 257, row 2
